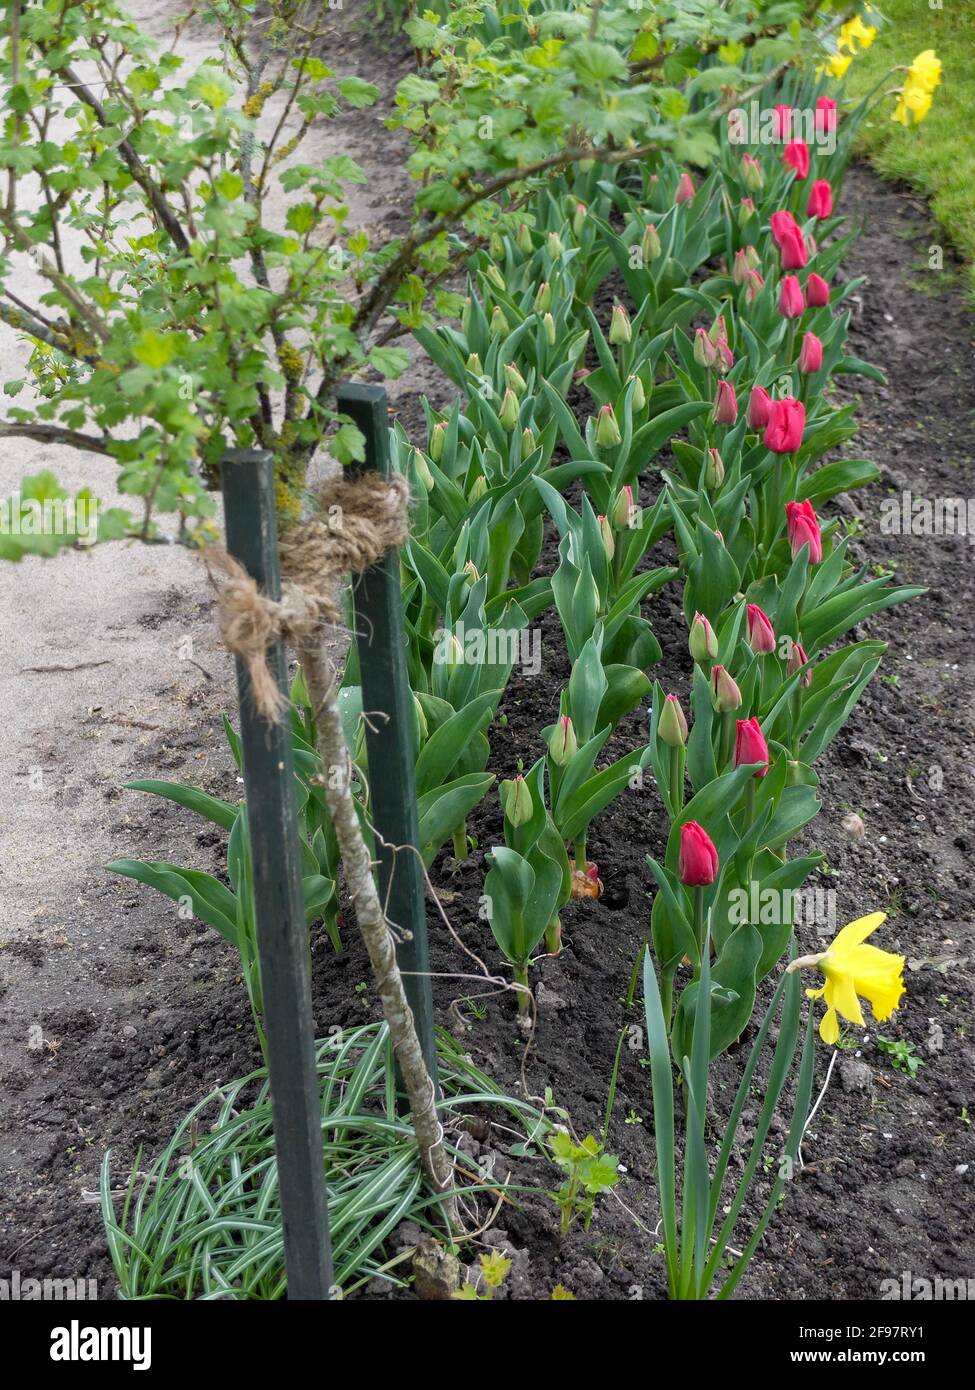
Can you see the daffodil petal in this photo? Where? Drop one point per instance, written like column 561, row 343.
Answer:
column 829, row 1028
column 855, row 932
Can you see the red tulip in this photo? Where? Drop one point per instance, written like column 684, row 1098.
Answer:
column 685, row 189
column 787, row 420
column 796, row 155
column 698, row 863
column 759, row 408
column 802, row 525
column 825, row 114
column 761, row 633
column 820, row 199
column 781, row 223
column 811, row 354
column 750, row 745
column 817, row 291
column 725, row 404
column 783, row 122
column 791, row 302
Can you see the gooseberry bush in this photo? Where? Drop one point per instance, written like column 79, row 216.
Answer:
column 693, row 157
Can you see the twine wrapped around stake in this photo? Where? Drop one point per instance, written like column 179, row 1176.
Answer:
column 358, row 520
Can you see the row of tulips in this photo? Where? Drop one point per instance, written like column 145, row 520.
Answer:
column 742, row 400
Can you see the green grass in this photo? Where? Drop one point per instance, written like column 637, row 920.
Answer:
column 938, row 156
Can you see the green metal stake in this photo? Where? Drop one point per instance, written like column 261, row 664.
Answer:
column 249, row 512
column 387, row 699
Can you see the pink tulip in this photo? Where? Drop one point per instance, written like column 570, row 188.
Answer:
column 685, row 188
column 811, row 354
column 750, row 745
column 802, row 525
column 796, row 155
column 817, row 291
column 782, row 222
column 787, row 421
column 791, row 302
column 825, row 114
column 698, row 860
column 793, row 251
column 759, row 408
column 761, row 634
column 797, row 659
column 820, row 199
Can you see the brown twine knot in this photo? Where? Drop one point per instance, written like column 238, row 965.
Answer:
column 358, row 521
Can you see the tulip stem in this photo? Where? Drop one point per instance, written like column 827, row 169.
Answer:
column 727, row 734
column 460, row 841
column 699, row 923
column 553, row 937
column 579, row 847
column 676, row 781
column 796, row 716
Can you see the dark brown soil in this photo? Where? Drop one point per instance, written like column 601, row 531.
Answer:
column 890, row 1161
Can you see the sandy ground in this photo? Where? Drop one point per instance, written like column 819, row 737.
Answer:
column 130, row 630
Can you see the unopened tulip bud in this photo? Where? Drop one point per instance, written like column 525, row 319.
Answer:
column 752, row 174
column 527, row 442
column 746, row 211
column 750, row 745
column 698, row 861
column 639, row 397
column 798, row 659
column 761, row 634
column 453, row 652
column 705, row 353
column 579, row 219
column 606, row 534
column 478, row 488
column 543, row 298
column 713, row 470
column 817, row 292
column 650, row 246
column 685, row 188
column 672, row 727
column 753, row 258
column 499, row 324
column 759, row 408
column 702, row 642
column 620, row 329
column 623, row 509
column 791, row 302
column 725, row 404
column 524, row 240
column 495, row 277
column 739, row 269
column 509, row 410
column 810, row 354
column 496, row 246
column 725, row 695
column 437, row 437
column 474, row 365
column 754, row 284
column 421, row 719
column 516, row 798
column 607, row 430
column 563, row 744
column 471, row 573
column 554, row 244
column 515, row 379
column 423, row 470
column 548, row 323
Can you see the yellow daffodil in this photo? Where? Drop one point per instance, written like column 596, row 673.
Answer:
column 853, row 968
column 855, row 31
column 925, row 71
column 912, row 106
column 837, row 65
